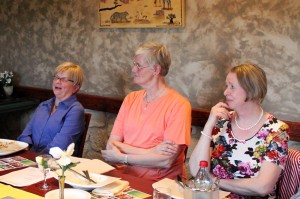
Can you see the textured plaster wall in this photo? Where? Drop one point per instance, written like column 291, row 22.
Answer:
column 37, row 35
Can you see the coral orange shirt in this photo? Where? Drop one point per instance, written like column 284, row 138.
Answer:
column 145, row 125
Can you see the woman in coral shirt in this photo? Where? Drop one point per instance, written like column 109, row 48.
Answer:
column 152, row 130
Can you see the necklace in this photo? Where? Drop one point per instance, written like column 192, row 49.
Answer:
column 55, row 106
column 245, row 129
column 152, row 98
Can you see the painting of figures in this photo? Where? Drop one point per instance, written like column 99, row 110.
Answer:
column 142, row 13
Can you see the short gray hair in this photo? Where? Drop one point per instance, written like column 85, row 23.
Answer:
column 155, row 53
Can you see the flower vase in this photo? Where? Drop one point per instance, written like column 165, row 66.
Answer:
column 61, row 182
column 8, row 90
column 2, row 93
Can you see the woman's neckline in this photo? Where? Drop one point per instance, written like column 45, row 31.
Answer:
column 245, row 140
column 157, row 97
column 251, row 126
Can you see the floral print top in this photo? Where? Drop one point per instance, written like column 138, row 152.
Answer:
column 232, row 158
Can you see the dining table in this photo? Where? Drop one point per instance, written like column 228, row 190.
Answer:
column 140, row 184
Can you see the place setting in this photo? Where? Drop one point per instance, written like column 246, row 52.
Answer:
column 8, row 147
column 72, row 177
column 79, row 173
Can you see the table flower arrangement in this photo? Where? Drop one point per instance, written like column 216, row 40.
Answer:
column 6, row 78
column 6, row 82
column 63, row 159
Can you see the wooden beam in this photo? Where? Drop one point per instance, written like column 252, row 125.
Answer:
column 112, row 105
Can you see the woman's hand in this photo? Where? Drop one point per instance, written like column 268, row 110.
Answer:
column 219, row 111
column 166, row 147
column 112, row 155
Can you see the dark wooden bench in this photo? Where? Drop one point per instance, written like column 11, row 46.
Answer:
column 112, row 105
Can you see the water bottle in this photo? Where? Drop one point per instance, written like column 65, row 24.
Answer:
column 203, row 181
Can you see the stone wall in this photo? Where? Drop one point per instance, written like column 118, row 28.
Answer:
column 218, row 34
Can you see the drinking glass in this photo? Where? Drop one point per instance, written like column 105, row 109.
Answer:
column 162, row 193
column 45, row 168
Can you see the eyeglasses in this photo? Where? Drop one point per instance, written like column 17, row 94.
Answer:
column 62, row 79
column 138, row 66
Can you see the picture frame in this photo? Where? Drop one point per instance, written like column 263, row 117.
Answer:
column 142, row 13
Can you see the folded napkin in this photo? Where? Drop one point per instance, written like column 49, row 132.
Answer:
column 24, row 177
column 93, row 166
column 7, row 191
column 111, row 189
column 177, row 190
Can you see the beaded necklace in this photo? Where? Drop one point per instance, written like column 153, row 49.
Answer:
column 245, row 129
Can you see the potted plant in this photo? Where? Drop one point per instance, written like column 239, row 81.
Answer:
column 6, row 81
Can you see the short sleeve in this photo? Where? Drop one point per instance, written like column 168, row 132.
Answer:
column 277, row 148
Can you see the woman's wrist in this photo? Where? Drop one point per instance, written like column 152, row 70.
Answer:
column 207, row 136
column 217, row 181
column 125, row 160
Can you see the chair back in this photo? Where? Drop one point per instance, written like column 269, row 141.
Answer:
column 289, row 182
column 87, row 118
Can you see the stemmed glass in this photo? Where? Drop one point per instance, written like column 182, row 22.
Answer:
column 44, row 162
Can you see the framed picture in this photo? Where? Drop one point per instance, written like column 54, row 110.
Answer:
column 142, row 13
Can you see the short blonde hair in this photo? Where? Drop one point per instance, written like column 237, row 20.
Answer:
column 155, row 53
column 253, row 80
column 74, row 71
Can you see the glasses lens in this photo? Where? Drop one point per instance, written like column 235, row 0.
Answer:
column 62, row 79
column 136, row 65
column 139, row 67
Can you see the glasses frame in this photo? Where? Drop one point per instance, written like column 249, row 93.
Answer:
column 138, row 66
column 62, row 79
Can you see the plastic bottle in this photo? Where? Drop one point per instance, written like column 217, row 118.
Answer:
column 203, row 181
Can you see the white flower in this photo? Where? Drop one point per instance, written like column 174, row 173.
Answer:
column 39, row 160
column 63, row 157
column 70, row 149
column 64, row 160
column 57, row 153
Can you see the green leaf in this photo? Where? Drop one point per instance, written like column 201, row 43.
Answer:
column 45, row 163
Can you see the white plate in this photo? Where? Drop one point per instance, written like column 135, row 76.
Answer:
column 69, row 194
column 11, row 146
column 80, row 182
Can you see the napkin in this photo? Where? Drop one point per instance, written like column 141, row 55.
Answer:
column 93, row 166
column 9, row 191
column 111, row 189
column 24, row 177
column 177, row 190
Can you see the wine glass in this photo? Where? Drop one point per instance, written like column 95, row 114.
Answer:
column 44, row 165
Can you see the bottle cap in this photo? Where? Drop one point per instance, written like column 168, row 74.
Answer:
column 203, row 163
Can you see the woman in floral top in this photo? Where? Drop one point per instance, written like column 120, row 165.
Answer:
column 247, row 147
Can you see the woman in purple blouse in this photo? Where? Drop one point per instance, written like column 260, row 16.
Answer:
column 58, row 121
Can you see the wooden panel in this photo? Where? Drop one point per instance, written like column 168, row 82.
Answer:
column 112, row 105
column 295, row 130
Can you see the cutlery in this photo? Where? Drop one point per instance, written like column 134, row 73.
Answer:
column 89, row 179
column 179, row 181
column 86, row 173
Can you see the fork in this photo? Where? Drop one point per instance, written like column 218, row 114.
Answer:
column 86, row 173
